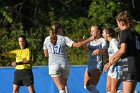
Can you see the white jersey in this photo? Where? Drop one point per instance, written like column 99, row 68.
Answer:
column 96, row 61
column 114, row 70
column 113, row 47
column 56, row 52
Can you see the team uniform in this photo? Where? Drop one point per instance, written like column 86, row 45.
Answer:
column 23, row 74
column 95, row 61
column 58, row 62
column 115, row 70
column 129, row 60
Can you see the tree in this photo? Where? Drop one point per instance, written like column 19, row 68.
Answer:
column 104, row 11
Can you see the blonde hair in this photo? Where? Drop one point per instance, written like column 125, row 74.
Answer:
column 125, row 18
column 53, row 32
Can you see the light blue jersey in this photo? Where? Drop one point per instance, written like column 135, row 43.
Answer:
column 57, row 55
column 95, row 61
column 114, row 70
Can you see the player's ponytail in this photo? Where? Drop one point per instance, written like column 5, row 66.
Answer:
column 54, row 31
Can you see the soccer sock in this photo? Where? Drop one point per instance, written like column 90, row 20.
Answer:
column 89, row 88
column 92, row 89
column 119, row 91
column 62, row 91
column 108, row 92
column 66, row 89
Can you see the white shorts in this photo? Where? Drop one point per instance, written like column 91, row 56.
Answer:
column 115, row 71
column 59, row 70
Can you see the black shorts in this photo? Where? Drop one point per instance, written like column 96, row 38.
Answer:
column 23, row 77
column 137, row 64
column 129, row 72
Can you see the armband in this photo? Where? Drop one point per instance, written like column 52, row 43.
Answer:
column 20, row 63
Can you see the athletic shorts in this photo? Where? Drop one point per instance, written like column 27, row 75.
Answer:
column 115, row 71
column 23, row 77
column 97, row 65
column 129, row 69
column 59, row 70
column 137, row 64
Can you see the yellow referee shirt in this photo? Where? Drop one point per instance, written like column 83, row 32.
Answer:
column 21, row 54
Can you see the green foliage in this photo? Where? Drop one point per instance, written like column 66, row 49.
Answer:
column 5, row 12
column 33, row 18
column 103, row 11
column 77, row 56
column 81, row 26
column 137, row 27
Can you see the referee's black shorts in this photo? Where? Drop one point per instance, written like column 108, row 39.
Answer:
column 23, row 77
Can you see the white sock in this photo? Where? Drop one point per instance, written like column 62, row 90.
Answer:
column 108, row 92
column 119, row 91
column 62, row 91
column 89, row 88
column 66, row 89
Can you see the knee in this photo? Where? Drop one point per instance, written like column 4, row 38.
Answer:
column 61, row 87
column 108, row 89
column 113, row 90
column 15, row 90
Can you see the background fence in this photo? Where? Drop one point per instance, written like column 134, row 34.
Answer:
column 44, row 84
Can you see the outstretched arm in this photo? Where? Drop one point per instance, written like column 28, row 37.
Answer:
column 99, row 51
column 79, row 44
column 6, row 54
column 10, row 54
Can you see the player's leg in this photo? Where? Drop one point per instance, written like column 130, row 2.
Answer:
column 16, row 88
column 114, row 85
column 108, row 84
column 129, row 86
column 87, row 78
column 31, row 89
column 58, row 81
column 65, row 74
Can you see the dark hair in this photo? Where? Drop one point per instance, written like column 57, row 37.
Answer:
column 110, row 31
column 53, row 32
column 26, row 42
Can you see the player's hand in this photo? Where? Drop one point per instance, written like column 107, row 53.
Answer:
column 106, row 67
column 13, row 64
column 95, row 52
column 24, row 60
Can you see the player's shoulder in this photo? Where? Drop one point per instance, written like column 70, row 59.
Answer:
column 114, row 40
column 102, row 39
column 48, row 37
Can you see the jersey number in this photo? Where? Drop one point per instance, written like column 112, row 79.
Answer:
column 55, row 49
